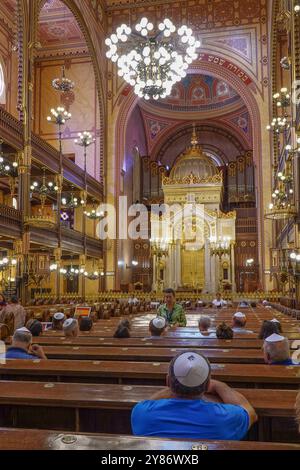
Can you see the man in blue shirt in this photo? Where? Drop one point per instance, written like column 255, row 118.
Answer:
column 277, row 351
column 22, row 348
column 182, row 411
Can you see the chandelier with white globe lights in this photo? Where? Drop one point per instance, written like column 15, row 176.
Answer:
column 152, row 61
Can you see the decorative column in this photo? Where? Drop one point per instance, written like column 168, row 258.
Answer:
column 178, row 264
column 232, row 270
column 82, row 262
column 26, row 45
column 57, row 257
column 154, row 272
column 207, row 274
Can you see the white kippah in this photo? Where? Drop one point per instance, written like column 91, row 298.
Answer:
column 159, row 322
column 274, row 320
column 239, row 315
column 274, row 338
column 69, row 324
column 58, row 316
column 24, row 329
column 191, row 369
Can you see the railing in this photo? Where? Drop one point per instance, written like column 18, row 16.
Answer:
column 9, row 214
column 94, row 244
column 11, row 128
column 72, row 234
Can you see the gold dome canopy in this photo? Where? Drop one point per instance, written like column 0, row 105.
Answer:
column 193, row 162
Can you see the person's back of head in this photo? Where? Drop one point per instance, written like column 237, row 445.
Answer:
column 125, row 323
column 35, row 327
column 189, row 374
column 85, row 324
column 239, row 320
column 58, row 321
column 70, row 327
column 157, row 326
column 14, row 300
column 224, row 331
column 267, row 329
column 22, row 338
column 204, row 323
column 276, row 349
column 122, row 332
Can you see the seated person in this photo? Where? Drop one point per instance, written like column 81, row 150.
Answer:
column 172, row 311
column 182, row 411
column 34, row 326
column 224, row 331
column 218, row 302
column 18, row 311
column 274, row 320
column 244, row 304
column 21, row 347
column 123, row 329
column 239, row 321
column 157, row 326
column 268, row 327
column 58, row 321
column 70, row 327
column 277, row 351
column 204, row 324
column 85, row 324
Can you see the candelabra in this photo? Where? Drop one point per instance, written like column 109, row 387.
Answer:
column 221, row 247
column 159, row 248
column 94, row 214
column 45, row 189
column 85, row 139
column 63, row 84
column 59, row 116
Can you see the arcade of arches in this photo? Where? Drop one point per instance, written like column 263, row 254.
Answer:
column 153, row 152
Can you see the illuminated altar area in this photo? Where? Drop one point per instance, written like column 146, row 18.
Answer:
column 197, row 252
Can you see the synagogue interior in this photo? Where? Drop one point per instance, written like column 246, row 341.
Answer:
column 149, row 225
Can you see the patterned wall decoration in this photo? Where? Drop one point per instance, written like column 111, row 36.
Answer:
column 58, row 31
column 232, row 36
column 8, row 57
column 241, row 123
column 199, row 93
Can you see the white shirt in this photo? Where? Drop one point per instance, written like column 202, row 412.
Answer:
column 219, row 303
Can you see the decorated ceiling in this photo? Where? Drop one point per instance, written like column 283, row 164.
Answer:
column 219, row 111
column 58, row 28
column 199, row 92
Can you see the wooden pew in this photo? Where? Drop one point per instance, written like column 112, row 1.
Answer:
column 27, row 439
column 239, row 356
column 107, row 408
column 162, row 342
column 250, row 375
column 141, row 333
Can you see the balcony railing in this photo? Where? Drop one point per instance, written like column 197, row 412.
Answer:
column 11, row 129
column 9, row 214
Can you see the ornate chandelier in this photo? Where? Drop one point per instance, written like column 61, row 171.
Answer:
column 63, row 84
column 72, row 202
column 152, row 61
column 45, row 189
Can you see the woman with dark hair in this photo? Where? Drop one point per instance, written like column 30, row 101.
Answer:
column 35, row 327
column 123, row 329
column 269, row 327
column 224, row 331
